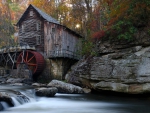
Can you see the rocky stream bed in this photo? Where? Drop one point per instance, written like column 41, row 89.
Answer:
column 10, row 90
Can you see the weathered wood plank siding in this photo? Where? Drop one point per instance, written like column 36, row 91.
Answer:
column 51, row 39
column 28, row 30
column 59, row 40
column 52, row 33
column 70, row 41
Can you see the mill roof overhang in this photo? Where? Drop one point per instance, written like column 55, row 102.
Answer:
column 47, row 18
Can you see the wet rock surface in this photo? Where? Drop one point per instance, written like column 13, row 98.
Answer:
column 39, row 85
column 13, row 79
column 65, row 87
column 46, row 92
column 6, row 98
column 14, row 94
column 86, row 90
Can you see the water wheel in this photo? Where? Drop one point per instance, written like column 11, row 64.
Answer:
column 33, row 60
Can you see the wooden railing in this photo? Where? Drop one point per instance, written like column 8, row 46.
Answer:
column 64, row 53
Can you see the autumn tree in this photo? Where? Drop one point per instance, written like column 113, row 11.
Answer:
column 48, row 6
column 6, row 27
column 75, row 14
column 17, row 7
column 127, row 16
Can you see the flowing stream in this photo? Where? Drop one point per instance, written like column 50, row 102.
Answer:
column 77, row 103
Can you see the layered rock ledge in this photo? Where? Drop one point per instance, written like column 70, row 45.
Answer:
column 121, row 67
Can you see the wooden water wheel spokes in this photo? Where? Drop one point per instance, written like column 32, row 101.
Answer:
column 29, row 59
column 33, row 60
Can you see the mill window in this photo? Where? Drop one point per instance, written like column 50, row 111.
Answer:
column 38, row 26
column 31, row 13
column 53, row 33
column 53, row 30
column 38, row 40
column 47, row 30
column 22, row 27
column 67, row 47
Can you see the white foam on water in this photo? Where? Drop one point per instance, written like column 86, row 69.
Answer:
column 5, row 105
column 62, row 105
column 16, row 103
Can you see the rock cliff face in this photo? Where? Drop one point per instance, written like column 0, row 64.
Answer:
column 123, row 66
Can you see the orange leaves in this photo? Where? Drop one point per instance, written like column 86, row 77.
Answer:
column 126, row 16
column 119, row 9
column 127, row 9
column 139, row 12
column 47, row 6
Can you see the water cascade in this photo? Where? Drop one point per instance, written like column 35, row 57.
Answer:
column 25, row 101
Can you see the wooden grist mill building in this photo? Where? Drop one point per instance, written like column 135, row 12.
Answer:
column 58, row 44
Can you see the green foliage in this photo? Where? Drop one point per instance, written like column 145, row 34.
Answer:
column 14, row 7
column 123, row 30
column 148, row 32
column 126, row 17
column 6, row 26
column 88, row 46
column 8, row 1
column 139, row 12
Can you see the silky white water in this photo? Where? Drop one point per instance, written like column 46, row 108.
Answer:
column 77, row 103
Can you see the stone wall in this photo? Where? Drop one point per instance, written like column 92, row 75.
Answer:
column 46, row 75
column 55, row 69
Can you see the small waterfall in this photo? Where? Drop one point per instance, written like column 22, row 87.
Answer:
column 24, row 97
column 19, row 97
column 4, row 105
column 30, row 94
column 16, row 103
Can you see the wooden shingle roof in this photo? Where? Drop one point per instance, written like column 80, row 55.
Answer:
column 45, row 16
column 41, row 13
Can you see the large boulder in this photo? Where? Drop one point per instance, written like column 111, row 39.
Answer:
column 46, row 92
column 65, row 87
column 86, row 90
column 36, row 84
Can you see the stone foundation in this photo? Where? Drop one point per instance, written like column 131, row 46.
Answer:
column 55, row 69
